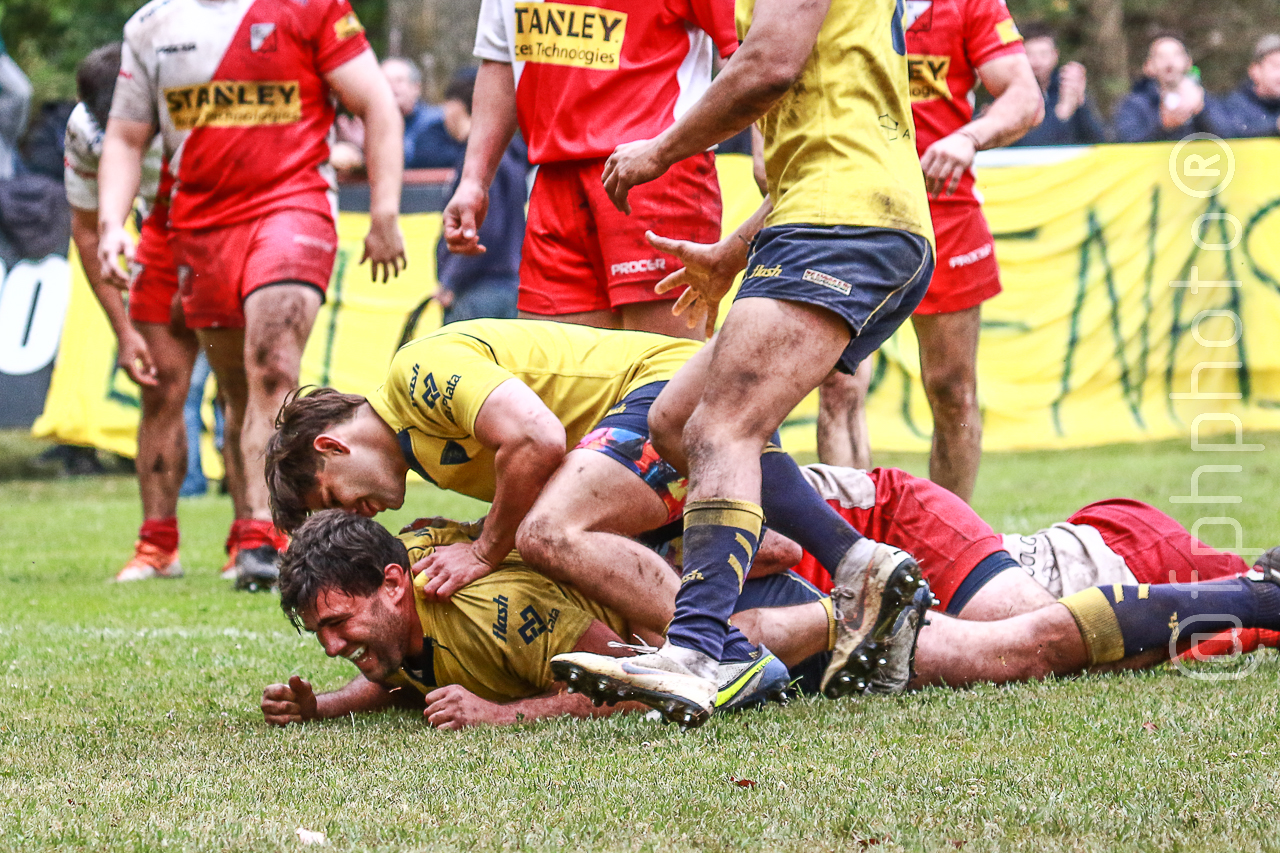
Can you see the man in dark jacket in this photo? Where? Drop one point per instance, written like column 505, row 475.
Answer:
column 1253, row 109
column 1166, row 103
column 1070, row 117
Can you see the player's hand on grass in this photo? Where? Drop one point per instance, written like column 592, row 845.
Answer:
column 454, row 707
column 630, row 164
column 384, row 248
column 294, row 702
column 463, row 216
column 115, row 254
column 945, row 162
column 134, row 358
column 450, row 569
column 709, row 270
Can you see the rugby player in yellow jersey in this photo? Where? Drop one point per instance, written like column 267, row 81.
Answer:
column 841, row 252
column 482, row 656
column 548, row 422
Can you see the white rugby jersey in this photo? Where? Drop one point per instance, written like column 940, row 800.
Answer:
column 595, row 74
column 80, row 164
column 237, row 90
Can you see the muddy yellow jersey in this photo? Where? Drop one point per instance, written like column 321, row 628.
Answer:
column 839, row 145
column 496, row 636
column 437, row 385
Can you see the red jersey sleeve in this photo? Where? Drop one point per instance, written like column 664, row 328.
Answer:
column 989, row 31
column 340, row 37
column 713, row 17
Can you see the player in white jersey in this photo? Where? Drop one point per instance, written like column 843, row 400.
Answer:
column 153, row 345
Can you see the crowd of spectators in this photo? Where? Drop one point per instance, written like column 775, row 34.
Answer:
column 1167, row 102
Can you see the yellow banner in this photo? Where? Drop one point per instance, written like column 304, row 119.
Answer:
column 1142, row 300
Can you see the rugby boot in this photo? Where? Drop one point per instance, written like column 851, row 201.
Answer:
column 659, row 679
column 896, row 672
column 753, row 682
column 867, row 602
column 257, row 569
column 150, row 561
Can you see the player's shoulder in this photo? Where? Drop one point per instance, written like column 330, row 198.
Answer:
column 153, row 20
column 83, row 140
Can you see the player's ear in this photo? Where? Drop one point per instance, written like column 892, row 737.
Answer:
column 396, row 580
column 326, row 444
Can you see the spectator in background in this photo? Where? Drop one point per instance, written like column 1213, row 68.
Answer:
column 487, row 284
column 429, row 139
column 1069, row 116
column 1167, row 102
column 1253, row 109
column 15, row 109
column 427, row 142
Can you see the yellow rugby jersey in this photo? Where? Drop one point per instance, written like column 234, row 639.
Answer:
column 839, row 145
column 437, row 384
column 496, row 636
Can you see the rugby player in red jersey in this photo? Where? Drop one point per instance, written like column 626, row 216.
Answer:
column 578, row 80
column 242, row 93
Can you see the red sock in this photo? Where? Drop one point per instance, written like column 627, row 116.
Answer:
column 160, row 532
column 250, row 533
column 1239, row 640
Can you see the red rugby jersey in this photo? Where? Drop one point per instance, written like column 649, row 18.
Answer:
column 595, row 74
column 946, row 41
column 237, row 90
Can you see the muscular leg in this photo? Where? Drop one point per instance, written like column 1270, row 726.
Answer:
column 1011, row 593
column 842, row 419
column 949, row 372
column 278, row 320
column 162, row 442
column 225, row 350
column 792, row 633
column 578, row 530
column 766, row 358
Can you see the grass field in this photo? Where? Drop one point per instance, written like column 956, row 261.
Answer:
column 128, row 718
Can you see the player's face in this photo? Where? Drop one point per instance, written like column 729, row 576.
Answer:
column 365, row 630
column 357, row 480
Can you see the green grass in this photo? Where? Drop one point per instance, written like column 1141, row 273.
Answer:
column 128, row 719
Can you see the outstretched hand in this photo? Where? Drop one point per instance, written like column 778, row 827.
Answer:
column 708, row 272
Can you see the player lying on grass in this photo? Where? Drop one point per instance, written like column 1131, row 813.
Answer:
column 1108, row 560
column 548, row 422
column 484, row 656
column 481, row 656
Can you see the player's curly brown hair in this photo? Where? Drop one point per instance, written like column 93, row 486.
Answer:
column 291, row 459
column 335, row 551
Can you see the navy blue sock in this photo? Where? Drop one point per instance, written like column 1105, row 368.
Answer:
column 720, row 540
column 794, row 509
column 1120, row 621
column 737, row 647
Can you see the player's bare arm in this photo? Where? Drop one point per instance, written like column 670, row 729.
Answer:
column 765, row 66
column 124, row 145
column 453, row 707
column 132, row 354
column 493, row 124
column 362, row 89
column 296, row 702
column 528, row 441
column 1018, row 107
